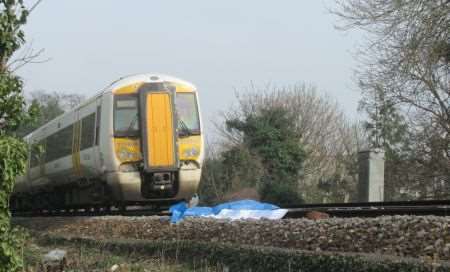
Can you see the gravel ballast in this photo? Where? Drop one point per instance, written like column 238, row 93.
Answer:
column 404, row 236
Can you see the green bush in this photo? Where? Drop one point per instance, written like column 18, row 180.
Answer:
column 235, row 169
column 279, row 192
column 13, row 114
column 270, row 134
column 12, row 163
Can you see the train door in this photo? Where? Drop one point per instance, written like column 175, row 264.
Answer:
column 58, row 149
column 96, row 152
column 158, row 128
column 87, row 120
column 36, row 168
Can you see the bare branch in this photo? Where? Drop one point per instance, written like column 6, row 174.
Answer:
column 28, row 55
column 34, row 6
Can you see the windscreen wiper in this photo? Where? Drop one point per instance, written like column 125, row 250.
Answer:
column 130, row 127
column 185, row 130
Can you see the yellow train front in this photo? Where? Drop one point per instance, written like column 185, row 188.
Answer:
column 137, row 142
column 157, row 141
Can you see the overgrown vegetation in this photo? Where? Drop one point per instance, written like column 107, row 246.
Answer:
column 80, row 257
column 269, row 133
column 268, row 156
column 290, row 143
column 12, row 163
column 227, row 257
column 13, row 113
column 404, row 78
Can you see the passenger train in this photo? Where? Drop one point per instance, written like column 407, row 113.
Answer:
column 138, row 142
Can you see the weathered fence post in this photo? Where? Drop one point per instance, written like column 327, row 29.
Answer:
column 371, row 175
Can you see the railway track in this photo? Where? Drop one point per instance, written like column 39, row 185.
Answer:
column 93, row 212
column 361, row 209
column 373, row 209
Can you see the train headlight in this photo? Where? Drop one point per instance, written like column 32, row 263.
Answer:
column 192, row 152
column 125, row 155
column 128, row 150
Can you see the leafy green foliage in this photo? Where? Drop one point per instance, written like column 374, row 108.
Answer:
column 13, row 113
column 12, row 242
column 12, row 163
column 48, row 106
column 13, row 154
column 270, row 134
column 388, row 129
column 12, row 16
column 266, row 161
column 13, row 110
column 236, row 169
column 44, row 107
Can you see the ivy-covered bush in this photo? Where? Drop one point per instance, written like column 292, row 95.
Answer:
column 12, row 163
column 270, row 134
column 13, row 113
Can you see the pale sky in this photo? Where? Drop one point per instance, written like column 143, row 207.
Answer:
column 220, row 46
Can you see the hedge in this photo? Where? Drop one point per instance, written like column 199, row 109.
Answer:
column 250, row 258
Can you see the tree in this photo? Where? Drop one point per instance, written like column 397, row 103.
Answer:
column 388, row 129
column 329, row 139
column 329, row 142
column 406, row 61
column 269, row 133
column 13, row 113
column 49, row 106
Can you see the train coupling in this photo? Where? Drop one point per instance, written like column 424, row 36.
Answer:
column 159, row 184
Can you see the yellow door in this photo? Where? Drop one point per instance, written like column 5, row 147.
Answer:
column 160, row 130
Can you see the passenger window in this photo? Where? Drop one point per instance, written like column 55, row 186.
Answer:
column 87, row 131
column 59, row 144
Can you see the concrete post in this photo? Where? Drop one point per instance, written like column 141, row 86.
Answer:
column 371, row 175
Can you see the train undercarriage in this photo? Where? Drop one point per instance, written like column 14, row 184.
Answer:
column 157, row 190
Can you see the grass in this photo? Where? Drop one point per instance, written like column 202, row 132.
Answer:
column 82, row 258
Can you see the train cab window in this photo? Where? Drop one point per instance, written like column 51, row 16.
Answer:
column 126, row 118
column 87, row 131
column 187, row 113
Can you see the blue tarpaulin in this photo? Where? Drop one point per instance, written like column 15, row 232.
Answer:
column 232, row 210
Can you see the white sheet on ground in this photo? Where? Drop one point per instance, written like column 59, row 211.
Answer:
column 251, row 214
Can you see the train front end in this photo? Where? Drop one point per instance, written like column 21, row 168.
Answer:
column 158, row 141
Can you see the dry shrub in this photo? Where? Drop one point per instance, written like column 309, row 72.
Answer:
column 244, row 193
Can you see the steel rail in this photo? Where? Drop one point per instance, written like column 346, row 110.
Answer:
column 81, row 212
column 361, row 209
column 374, row 204
column 373, row 209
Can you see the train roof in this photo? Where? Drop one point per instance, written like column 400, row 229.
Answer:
column 124, row 81
column 121, row 82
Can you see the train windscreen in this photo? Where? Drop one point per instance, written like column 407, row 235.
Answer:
column 126, row 118
column 187, row 114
